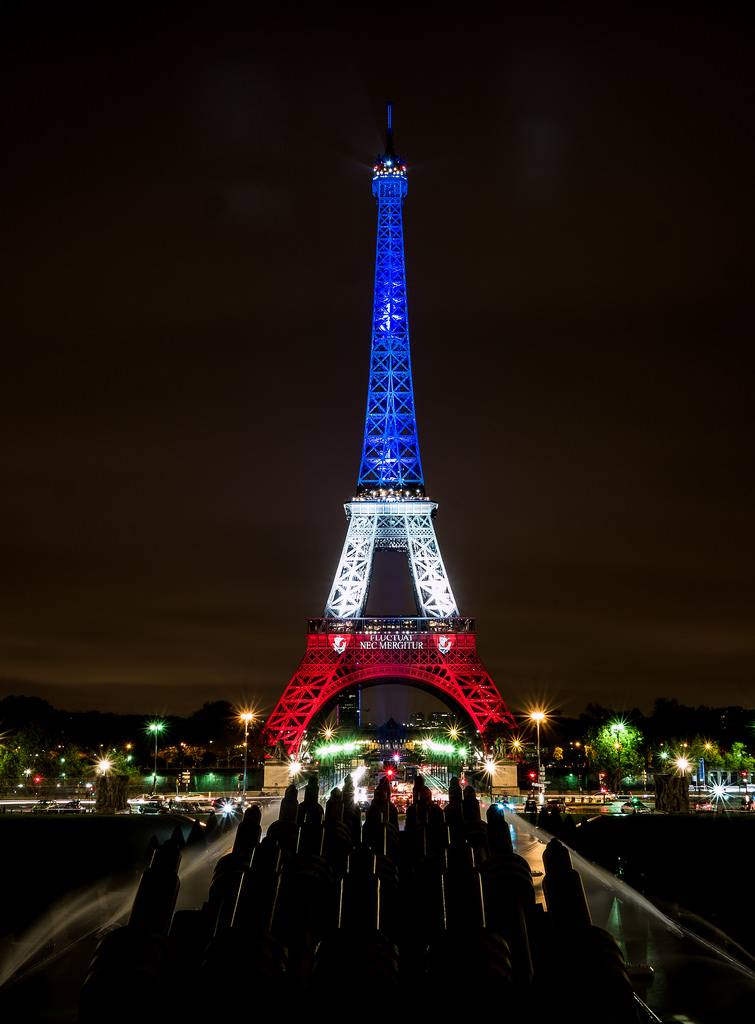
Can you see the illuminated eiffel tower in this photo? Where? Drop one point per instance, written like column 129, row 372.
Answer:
column 435, row 650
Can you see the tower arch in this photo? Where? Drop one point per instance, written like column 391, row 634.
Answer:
column 338, row 657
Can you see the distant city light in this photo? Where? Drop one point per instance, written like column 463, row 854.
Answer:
column 434, row 747
column 332, row 749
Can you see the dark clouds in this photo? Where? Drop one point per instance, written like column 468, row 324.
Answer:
column 187, row 287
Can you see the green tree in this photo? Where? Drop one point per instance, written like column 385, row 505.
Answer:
column 737, row 759
column 617, row 748
column 11, row 768
column 708, row 750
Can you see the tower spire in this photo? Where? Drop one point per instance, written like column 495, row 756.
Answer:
column 390, row 453
column 389, row 129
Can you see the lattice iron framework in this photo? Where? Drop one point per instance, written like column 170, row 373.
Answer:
column 401, row 524
column 390, row 454
column 445, row 663
column 436, row 650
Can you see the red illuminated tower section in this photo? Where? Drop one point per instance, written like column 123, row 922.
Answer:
column 436, row 649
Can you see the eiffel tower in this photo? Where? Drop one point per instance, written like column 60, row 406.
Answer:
column 436, row 649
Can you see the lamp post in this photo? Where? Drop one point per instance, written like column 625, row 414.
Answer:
column 246, row 717
column 155, row 728
column 617, row 729
column 537, row 717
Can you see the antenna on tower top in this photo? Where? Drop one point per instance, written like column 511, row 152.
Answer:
column 389, row 130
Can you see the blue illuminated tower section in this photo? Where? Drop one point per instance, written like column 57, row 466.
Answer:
column 390, row 454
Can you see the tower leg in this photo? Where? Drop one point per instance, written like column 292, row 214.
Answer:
column 435, row 598
column 348, row 595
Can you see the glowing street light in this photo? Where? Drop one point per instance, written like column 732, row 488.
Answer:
column 682, row 765
column 104, row 765
column 155, row 727
column 537, row 717
column 719, row 793
column 246, row 717
column 617, row 729
column 295, row 768
column 489, row 767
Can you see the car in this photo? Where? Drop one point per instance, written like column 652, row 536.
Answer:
column 183, row 807
column 635, row 806
column 71, row 807
column 151, row 807
column 45, row 807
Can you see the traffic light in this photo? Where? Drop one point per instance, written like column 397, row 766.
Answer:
column 533, row 775
column 389, row 773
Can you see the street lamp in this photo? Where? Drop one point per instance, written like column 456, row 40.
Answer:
column 617, row 729
column 246, row 717
column 537, row 717
column 155, row 728
column 489, row 767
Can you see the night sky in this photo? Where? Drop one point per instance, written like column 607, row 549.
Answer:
column 188, row 245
